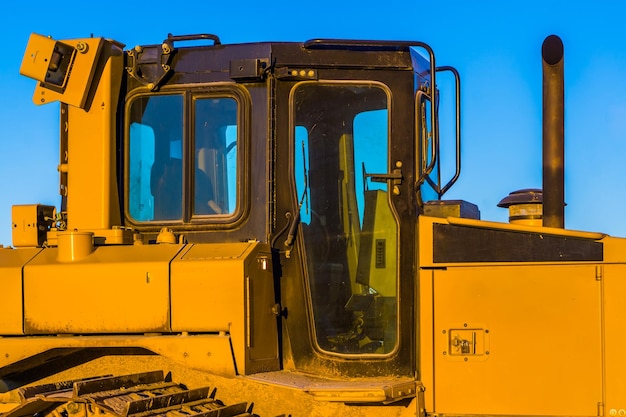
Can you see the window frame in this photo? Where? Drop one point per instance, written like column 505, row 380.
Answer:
column 293, row 148
column 191, row 94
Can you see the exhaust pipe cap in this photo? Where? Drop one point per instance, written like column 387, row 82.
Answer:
column 552, row 50
column 525, row 206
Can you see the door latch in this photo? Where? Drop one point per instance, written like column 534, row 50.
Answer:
column 466, row 343
column 463, row 346
column 395, row 176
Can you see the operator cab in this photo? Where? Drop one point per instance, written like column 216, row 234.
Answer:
column 322, row 149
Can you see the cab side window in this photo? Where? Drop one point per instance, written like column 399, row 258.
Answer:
column 182, row 158
column 215, row 176
column 155, row 165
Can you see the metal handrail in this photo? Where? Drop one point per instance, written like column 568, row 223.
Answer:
column 425, row 170
column 457, row 172
column 200, row 36
column 435, row 148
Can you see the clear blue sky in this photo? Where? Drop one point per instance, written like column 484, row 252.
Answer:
column 494, row 44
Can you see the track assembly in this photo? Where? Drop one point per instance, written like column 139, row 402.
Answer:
column 136, row 395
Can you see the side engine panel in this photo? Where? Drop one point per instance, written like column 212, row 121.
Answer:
column 211, row 306
column 116, row 289
column 517, row 339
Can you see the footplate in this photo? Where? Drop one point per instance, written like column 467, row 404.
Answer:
column 137, row 395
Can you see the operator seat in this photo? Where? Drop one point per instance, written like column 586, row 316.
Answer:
column 203, row 197
column 166, row 186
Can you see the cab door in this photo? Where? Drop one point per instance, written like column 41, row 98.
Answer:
column 349, row 232
column 350, row 167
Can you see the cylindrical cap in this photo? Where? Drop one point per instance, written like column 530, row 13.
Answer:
column 74, row 245
column 525, row 196
column 525, row 206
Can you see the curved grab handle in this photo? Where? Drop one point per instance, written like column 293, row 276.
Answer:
column 457, row 173
column 428, row 168
column 200, row 36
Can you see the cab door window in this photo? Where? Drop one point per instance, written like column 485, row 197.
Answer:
column 349, row 233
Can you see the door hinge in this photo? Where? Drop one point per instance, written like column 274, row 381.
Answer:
column 599, row 272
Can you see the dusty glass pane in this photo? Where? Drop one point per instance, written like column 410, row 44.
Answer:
column 155, row 158
column 348, row 229
column 215, row 176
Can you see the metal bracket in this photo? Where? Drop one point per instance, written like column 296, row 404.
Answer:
column 248, row 69
column 150, row 65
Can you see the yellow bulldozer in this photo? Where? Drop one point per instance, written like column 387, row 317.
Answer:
column 261, row 229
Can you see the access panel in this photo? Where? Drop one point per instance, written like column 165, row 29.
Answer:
column 517, row 339
column 115, row 289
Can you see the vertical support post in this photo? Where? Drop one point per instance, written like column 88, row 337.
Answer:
column 92, row 194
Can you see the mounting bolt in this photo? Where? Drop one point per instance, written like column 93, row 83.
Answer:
column 81, row 47
column 72, row 408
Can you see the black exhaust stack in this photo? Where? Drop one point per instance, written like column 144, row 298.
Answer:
column 553, row 133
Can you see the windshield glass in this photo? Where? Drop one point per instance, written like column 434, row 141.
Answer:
column 349, row 231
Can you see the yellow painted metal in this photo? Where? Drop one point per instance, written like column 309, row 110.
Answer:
column 538, row 329
column 614, row 250
column 228, row 288
column 74, row 245
column 90, row 163
column 379, row 233
column 37, row 57
column 117, row 235
column 207, row 287
column 28, row 222
column 225, row 289
column 11, row 264
column 116, row 289
column 333, row 389
column 614, row 295
column 425, row 318
column 491, row 332
column 79, row 76
column 208, row 352
column 349, row 209
column 526, row 228
column 92, row 195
